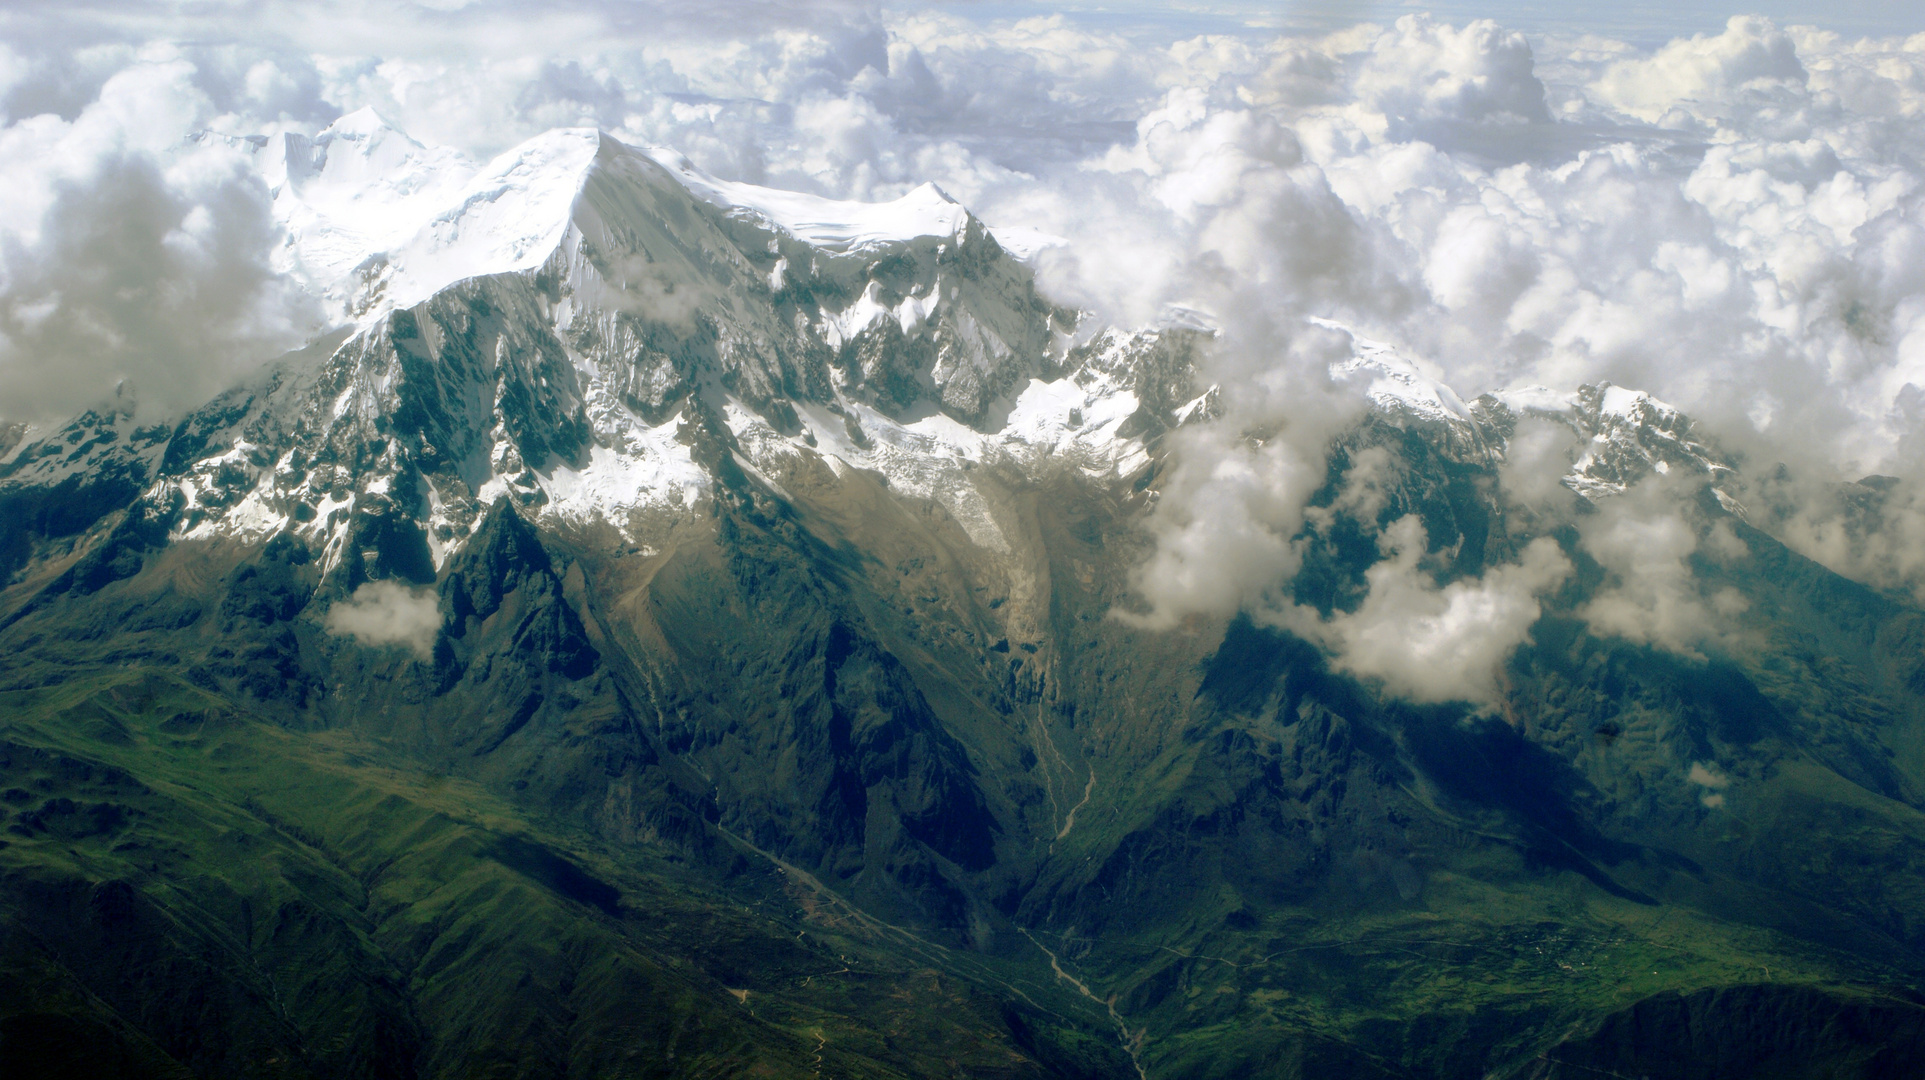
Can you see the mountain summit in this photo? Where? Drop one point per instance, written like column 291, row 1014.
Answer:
column 669, row 627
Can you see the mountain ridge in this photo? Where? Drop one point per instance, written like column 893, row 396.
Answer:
column 777, row 371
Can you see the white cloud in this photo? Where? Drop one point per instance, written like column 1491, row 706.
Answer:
column 1422, row 71
column 1224, row 530
column 387, row 613
column 1708, row 776
column 1645, row 541
column 1751, row 64
column 126, row 256
column 1871, row 533
column 1431, row 643
column 1711, row 782
column 1537, row 458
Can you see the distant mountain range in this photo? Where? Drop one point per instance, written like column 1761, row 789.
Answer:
column 666, row 627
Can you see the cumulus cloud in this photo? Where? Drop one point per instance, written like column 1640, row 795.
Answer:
column 165, row 285
column 1711, row 783
column 1425, row 72
column 1226, row 527
column 1708, row 776
column 124, row 258
column 1433, row 644
column 1752, row 63
column 1366, row 486
column 1213, row 208
column 1415, row 183
column 1645, row 541
column 387, row 613
column 1537, row 458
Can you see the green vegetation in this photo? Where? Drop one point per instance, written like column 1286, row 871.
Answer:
column 816, row 787
column 264, row 902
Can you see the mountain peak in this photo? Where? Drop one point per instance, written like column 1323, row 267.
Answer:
column 377, row 220
column 360, row 123
column 511, row 215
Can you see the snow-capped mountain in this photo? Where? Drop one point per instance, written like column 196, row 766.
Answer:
column 544, row 324
column 652, row 570
column 1623, row 435
column 553, row 325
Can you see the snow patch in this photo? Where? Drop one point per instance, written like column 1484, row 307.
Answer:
column 833, row 225
column 510, row 217
column 1393, row 381
column 650, row 469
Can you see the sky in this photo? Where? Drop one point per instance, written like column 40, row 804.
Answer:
column 1716, row 202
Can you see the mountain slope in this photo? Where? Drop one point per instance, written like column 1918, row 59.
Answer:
column 668, row 628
